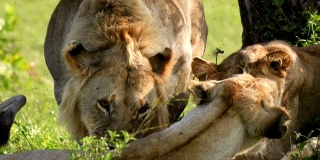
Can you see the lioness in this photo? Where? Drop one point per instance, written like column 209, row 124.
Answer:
column 116, row 64
column 279, row 63
column 232, row 116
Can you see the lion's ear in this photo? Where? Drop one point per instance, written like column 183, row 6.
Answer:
column 201, row 91
column 79, row 59
column 162, row 63
column 204, row 70
column 274, row 57
column 279, row 59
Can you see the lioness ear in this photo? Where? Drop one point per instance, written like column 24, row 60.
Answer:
column 162, row 62
column 79, row 59
column 278, row 59
column 201, row 91
column 204, row 70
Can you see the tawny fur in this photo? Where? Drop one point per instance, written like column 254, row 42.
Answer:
column 235, row 115
column 279, row 63
column 232, row 117
column 138, row 52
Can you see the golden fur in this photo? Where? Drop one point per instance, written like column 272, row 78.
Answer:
column 279, row 64
column 232, row 116
column 118, row 64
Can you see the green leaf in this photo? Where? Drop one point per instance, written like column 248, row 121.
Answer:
column 277, row 2
column 2, row 23
column 310, row 134
column 9, row 9
column 302, row 145
column 298, row 135
column 288, row 27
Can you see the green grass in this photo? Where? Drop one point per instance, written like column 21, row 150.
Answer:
column 36, row 125
column 225, row 29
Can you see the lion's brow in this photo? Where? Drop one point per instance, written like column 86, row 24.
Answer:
column 117, row 89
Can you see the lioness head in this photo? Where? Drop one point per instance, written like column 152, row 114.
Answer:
column 251, row 100
column 269, row 62
column 121, row 68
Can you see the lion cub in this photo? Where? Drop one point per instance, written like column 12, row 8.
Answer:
column 232, row 116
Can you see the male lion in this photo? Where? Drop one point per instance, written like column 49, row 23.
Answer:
column 278, row 63
column 116, row 64
column 232, row 116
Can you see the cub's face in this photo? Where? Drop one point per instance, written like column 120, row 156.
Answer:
column 250, row 100
column 255, row 102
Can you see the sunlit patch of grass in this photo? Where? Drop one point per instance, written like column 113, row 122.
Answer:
column 225, row 29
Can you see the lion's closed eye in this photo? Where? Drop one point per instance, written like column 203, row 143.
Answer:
column 266, row 105
column 262, row 104
column 143, row 110
column 104, row 105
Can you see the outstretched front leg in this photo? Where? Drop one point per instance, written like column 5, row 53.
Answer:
column 179, row 134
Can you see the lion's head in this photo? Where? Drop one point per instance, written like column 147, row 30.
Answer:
column 269, row 63
column 123, row 70
column 250, row 103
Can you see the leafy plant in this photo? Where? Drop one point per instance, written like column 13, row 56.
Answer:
column 94, row 148
column 298, row 27
column 28, row 136
column 10, row 59
column 312, row 30
column 307, row 147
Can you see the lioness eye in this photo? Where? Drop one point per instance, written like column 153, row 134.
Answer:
column 104, row 105
column 143, row 109
column 240, row 70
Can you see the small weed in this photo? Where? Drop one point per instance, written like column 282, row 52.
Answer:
column 94, row 148
column 307, row 148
